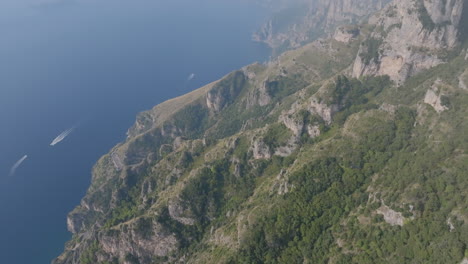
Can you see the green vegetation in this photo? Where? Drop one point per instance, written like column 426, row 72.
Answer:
column 277, row 135
column 424, row 17
column 355, row 95
column 192, row 120
column 301, row 225
column 229, row 88
column 372, row 53
column 284, row 86
column 385, row 150
column 89, row 256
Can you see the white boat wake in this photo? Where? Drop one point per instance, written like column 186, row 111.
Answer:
column 191, row 77
column 17, row 164
column 62, row 136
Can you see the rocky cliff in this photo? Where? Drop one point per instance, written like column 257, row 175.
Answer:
column 294, row 26
column 296, row 160
column 410, row 36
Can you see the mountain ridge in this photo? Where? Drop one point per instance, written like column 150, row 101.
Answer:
column 309, row 20
column 292, row 161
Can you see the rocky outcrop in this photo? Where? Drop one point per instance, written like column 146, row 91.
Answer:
column 225, row 91
column 75, row 223
column 259, row 96
column 462, row 80
column 391, row 109
column 260, row 150
column 117, row 161
column 411, row 35
column 346, row 33
column 390, row 216
column 323, row 110
column 288, row 149
column 282, row 185
column 139, row 243
column 434, row 98
column 290, row 120
column 293, row 27
column 178, row 212
column 313, row 131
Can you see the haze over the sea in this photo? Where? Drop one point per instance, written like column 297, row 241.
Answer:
column 99, row 63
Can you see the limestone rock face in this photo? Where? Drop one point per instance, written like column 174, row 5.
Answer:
column 411, row 36
column 462, row 80
column 313, row 19
column 75, row 223
column 323, row 110
column 222, row 94
column 345, row 34
column 390, row 216
column 313, row 131
column 178, row 212
column 160, row 243
column 293, row 124
column 260, row 150
column 433, row 99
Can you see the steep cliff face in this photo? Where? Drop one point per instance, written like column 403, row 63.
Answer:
column 296, row 161
column 293, row 27
column 410, row 36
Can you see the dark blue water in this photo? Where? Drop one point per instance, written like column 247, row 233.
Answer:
column 96, row 64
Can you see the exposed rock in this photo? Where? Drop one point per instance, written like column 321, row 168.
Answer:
column 178, row 212
column 287, row 150
column 294, row 124
column 178, row 141
column 263, row 97
column 450, row 224
column 433, row 99
column 249, row 74
column 414, row 32
column 75, row 222
column 464, row 261
column 144, row 122
column 313, row 131
column 346, row 34
column 260, row 150
column 323, row 110
column 462, row 80
column 147, row 188
column 173, row 175
column 312, row 20
column 224, row 92
column 388, row 108
column 117, row 161
column 259, row 96
column 215, row 101
column 160, row 243
column 282, row 182
column 390, row 216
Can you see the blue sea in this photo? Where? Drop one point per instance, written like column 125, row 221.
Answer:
column 94, row 64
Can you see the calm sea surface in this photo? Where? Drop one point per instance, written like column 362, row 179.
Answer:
column 94, row 64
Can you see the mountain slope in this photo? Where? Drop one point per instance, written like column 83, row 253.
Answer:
column 294, row 161
column 411, row 36
column 310, row 19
